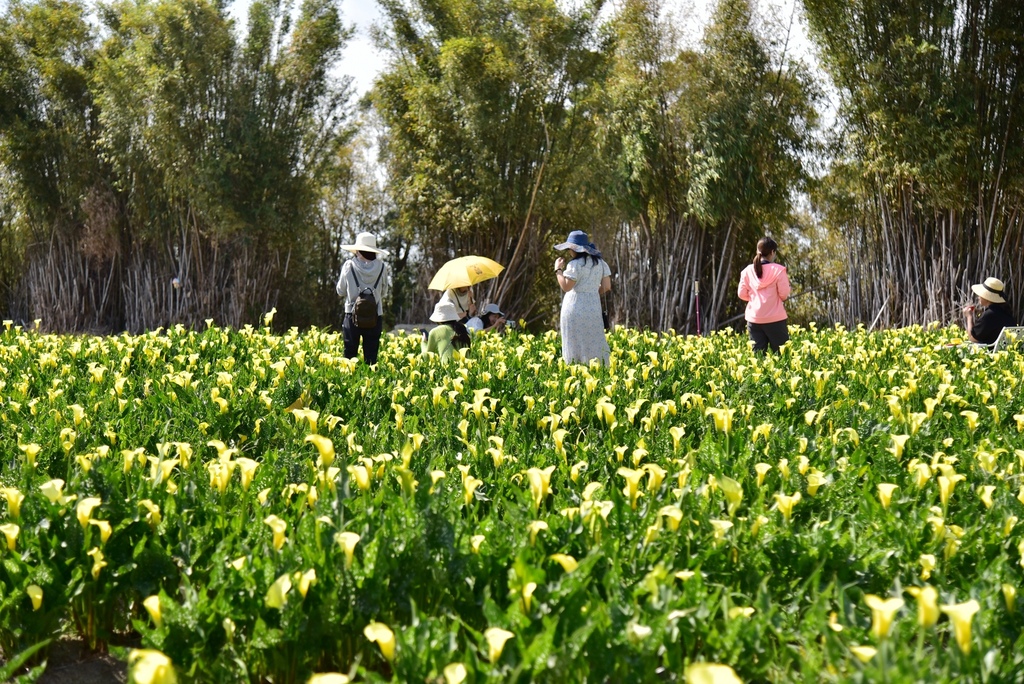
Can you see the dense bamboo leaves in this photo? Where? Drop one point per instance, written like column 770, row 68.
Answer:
column 929, row 170
column 708, row 144
column 174, row 171
column 489, row 115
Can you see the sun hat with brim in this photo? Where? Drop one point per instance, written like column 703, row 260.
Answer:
column 365, row 242
column 578, row 242
column 491, row 309
column 444, row 312
column 990, row 290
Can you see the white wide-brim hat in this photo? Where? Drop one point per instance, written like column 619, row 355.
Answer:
column 491, row 308
column 990, row 290
column 444, row 312
column 365, row 242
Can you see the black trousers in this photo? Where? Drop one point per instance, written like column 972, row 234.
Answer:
column 370, row 337
column 766, row 335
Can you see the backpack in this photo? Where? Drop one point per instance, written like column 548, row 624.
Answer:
column 364, row 313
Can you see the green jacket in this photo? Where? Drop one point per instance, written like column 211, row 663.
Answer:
column 439, row 342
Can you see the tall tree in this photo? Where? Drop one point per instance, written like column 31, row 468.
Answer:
column 58, row 184
column 931, row 153
column 709, row 146
column 489, row 147
column 222, row 152
column 172, row 173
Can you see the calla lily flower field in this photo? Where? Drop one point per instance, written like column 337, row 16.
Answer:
column 227, row 505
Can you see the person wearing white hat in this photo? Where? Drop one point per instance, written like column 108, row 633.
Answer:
column 462, row 298
column 364, row 273
column 985, row 327
column 449, row 334
column 491, row 318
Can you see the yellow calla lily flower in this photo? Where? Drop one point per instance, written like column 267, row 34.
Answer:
column 711, row 673
column 278, row 527
column 325, row 446
column 247, row 470
column 348, row 541
column 927, row 604
column 761, row 469
column 277, row 594
column 677, row 433
column 14, row 499
column 104, row 528
column 899, row 443
column 986, row 495
column 1010, row 596
column 306, row 580
column 535, row 528
column 567, row 562
column 540, row 484
column 960, row 615
column 382, row 635
column 361, row 475
column 35, row 594
column 147, row 666
column 455, row 673
column 864, row 653
column 98, row 563
column 496, row 638
column 882, row 613
column 673, row 514
column 30, row 451
column 927, row 562
column 722, row 417
column 11, row 531
column 54, row 491
column 329, row 678
column 885, row 492
column 733, row 492
column 720, row 528
column 785, row 504
column 152, row 606
column 469, row 486
column 632, row 488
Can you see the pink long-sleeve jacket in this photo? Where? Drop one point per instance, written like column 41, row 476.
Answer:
column 764, row 296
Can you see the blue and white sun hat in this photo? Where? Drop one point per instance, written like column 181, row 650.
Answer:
column 578, row 241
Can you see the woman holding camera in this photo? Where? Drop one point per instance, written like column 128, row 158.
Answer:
column 583, row 279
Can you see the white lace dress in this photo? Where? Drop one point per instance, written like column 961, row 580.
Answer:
column 581, row 323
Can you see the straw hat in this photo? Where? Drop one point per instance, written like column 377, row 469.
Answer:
column 365, row 242
column 444, row 312
column 991, row 290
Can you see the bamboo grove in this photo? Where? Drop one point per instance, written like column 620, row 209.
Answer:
column 162, row 162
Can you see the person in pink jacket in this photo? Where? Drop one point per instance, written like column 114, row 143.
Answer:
column 764, row 286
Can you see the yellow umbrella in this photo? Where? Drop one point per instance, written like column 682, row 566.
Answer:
column 465, row 271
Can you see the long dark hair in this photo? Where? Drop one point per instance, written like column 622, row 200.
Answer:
column 765, row 246
column 595, row 260
column 461, row 338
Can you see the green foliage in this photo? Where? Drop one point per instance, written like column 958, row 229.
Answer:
column 175, row 149
column 439, row 471
column 708, row 146
column 490, row 123
column 928, row 150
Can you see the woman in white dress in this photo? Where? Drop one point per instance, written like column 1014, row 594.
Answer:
column 583, row 280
